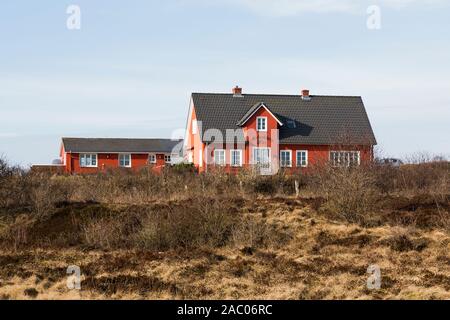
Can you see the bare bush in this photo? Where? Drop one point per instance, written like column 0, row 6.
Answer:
column 253, row 233
column 349, row 191
column 104, row 233
column 4, row 169
column 207, row 222
column 16, row 234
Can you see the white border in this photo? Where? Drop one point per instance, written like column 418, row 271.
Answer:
column 224, row 157
column 267, row 109
column 86, row 153
column 149, row 155
column 290, row 158
column 118, row 158
column 240, row 157
column 358, row 152
column 299, row 164
column 266, row 124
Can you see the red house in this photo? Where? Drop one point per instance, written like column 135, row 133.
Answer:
column 272, row 131
column 90, row 155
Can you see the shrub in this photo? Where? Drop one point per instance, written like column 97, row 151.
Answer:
column 104, row 233
column 266, row 185
column 5, row 171
column 207, row 222
column 251, row 233
column 349, row 192
column 183, row 168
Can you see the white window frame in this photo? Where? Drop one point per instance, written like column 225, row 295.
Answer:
column 299, row 159
column 239, row 151
column 152, row 158
column 263, row 169
column 121, row 155
column 345, row 155
column 290, row 159
column 85, row 156
column 264, row 121
column 167, row 158
column 221, row 151
column 261, row 148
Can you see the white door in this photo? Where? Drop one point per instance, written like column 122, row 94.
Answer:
column 261, row 160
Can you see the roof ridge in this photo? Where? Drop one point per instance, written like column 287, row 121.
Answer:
column 122, row 138
column 277, row 94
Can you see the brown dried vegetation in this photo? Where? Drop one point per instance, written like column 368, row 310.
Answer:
column 186, row 236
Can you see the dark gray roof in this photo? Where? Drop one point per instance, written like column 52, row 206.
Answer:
column 322, row 120
column 115, row 145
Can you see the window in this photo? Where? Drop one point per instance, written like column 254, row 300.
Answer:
column 219, row 157
column 88, row 160
column 262, row 161
column 194, row 126
column 125, row 160
column 302, row 158
column 286, row 158
column 261, row 124
column 152, row 158
column 167, row 158
column 344, row 158
column 236, row 158
column 291, row 124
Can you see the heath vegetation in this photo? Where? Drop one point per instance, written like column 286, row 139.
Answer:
column 310, row 234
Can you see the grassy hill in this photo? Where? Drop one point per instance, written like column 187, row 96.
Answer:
column 179, row 235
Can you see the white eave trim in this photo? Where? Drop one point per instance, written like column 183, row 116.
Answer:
column 120, row 152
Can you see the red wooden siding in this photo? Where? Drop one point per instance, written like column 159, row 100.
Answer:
column 107, row 161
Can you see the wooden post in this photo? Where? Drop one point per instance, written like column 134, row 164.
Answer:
column 297, row 191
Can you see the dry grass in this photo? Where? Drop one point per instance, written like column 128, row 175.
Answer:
column 283, row 249
column 216, row 236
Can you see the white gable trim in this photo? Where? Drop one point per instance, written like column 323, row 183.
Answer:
column 262, row 105
column 188, row 121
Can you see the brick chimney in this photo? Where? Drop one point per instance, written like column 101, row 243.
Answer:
column 305, row 95
column 237, row 91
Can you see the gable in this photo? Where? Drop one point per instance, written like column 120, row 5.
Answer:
column 254, row 111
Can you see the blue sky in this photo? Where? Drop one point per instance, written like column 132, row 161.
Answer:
column 130, row 70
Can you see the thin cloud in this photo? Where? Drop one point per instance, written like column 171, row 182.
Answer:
column 296, row 7
column 8, row 135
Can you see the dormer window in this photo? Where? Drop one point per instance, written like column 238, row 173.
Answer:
column 261, row 124
column 291, row 124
